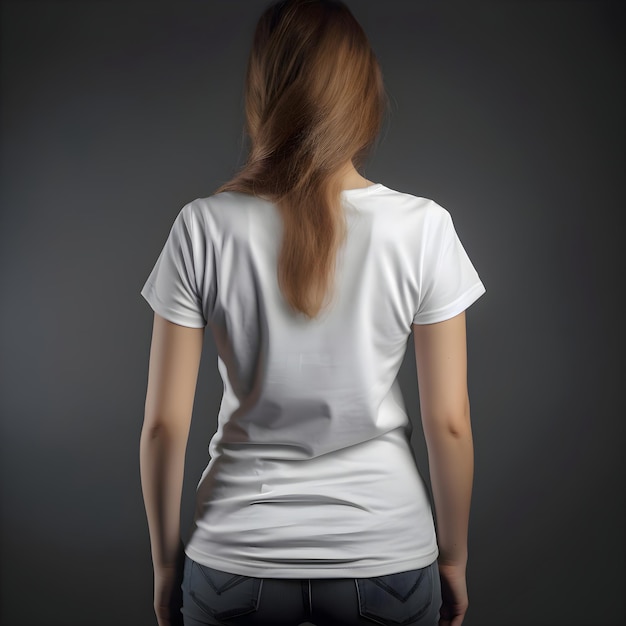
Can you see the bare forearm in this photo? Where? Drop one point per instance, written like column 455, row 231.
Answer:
column 451, row 465
column 162, row 465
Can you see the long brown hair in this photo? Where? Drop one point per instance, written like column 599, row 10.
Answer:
column 314, row 101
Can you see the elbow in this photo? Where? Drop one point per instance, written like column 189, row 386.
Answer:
column 161, row 429
column 458, row 423
column 449, row 422
column 152, row 430
column 459, row 429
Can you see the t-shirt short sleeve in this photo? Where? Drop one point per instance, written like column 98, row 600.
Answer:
column 450, row 282
column 176, row 286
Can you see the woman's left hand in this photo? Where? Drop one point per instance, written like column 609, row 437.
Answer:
column 168, row 597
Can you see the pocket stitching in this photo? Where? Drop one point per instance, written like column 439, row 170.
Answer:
column 253, row 601
column 235, row 579
column 374, row 614
column 378, row 580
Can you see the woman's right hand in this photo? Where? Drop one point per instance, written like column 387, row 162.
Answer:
column 167, row 595
column 453, row 594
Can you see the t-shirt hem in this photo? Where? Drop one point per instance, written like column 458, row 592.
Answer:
column 276, row 571
column 456, row 307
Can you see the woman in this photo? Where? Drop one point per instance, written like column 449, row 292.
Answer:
column 311, row 278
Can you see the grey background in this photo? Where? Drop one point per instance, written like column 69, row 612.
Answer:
column 116, row 114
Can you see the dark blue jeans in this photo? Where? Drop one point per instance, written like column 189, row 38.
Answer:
column 215, row 598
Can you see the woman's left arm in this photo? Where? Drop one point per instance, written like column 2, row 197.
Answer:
column 175, row 355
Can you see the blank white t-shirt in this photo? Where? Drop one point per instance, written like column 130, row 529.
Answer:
column 311, row 473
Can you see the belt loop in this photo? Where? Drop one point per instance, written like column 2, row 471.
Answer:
column 306, row 591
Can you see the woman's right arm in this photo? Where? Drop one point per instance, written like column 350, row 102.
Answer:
column 441, row 358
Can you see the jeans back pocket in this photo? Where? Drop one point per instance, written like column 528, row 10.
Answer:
column 224, row 595
column 401, row 598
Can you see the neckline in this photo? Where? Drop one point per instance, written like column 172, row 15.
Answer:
column 348, row 193
column 361, row 190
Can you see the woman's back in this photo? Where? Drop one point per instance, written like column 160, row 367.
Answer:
column 311, row 463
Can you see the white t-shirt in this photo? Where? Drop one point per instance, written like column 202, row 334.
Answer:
column 311, row 473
